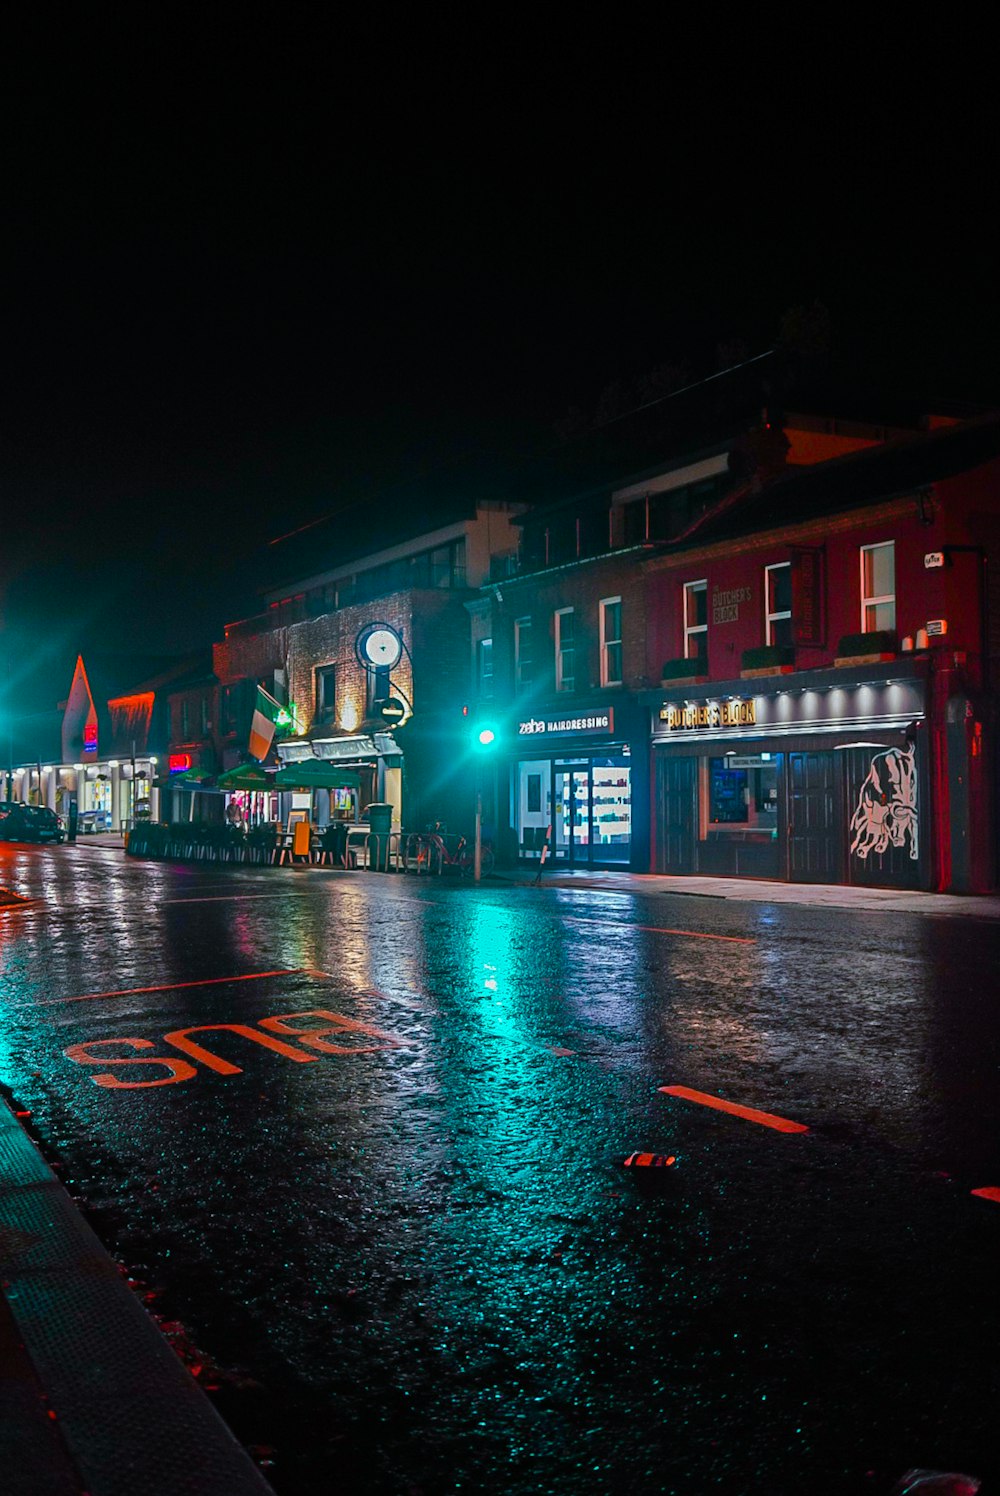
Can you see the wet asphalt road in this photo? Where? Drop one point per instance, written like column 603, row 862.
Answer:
column 407, row 1254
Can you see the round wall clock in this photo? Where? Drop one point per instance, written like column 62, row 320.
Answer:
column 379, row 646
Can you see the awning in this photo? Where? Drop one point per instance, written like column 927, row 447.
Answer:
column 245, row 777
column 315, row 774
column 188, row 779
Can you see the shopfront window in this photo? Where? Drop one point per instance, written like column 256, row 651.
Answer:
column 582, row 807
column 739, row 793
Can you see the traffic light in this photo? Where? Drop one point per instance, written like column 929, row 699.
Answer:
column 485, row 736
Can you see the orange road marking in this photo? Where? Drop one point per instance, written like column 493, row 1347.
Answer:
column 766, row 1119
column 88, row 997
column 661, row 930
column 988, row 1192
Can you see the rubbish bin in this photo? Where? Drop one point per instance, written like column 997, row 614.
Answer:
column 379, row 818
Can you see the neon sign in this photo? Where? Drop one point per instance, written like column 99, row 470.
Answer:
column 90, row 735
column 179, row 761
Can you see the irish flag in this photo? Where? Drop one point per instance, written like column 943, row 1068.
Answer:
column 265, row 715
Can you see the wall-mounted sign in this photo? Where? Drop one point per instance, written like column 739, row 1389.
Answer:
column 808, row 612
column 390, row 710
column 178, row 762
column 592, row 722
column 933, row 560
column 937, row 625
column 708, row 714
column 90, row 735
column 726, row 603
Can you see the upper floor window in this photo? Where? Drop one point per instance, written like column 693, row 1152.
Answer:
column 185, row 720
column 878, row 587
column 229, row 697
column 524, row 668
column 484, row 667
column 611, row 641
column 326, row 692
column 696, row 623
column 206, row 725
column 565, row 649
column 778, row 595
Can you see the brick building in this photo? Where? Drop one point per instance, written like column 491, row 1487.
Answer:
column 304, row 650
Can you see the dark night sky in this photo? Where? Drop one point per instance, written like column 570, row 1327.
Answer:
column 265, row 263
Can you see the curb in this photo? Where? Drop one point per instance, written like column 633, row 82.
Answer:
column 130, row 1415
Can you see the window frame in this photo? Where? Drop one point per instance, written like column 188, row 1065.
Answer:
column 695, row 630
column 484, row 666
column 776, row 615
column 565, row 681
column 324, row 713
column 876, row 600
column 524, row 661
column 607, row 644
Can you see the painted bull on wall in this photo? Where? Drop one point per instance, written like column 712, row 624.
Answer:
column 886, row 813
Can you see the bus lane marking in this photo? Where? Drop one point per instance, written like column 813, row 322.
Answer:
column 585, row 919
column 748, row 1113
column 253, row 976
column 314, row 1037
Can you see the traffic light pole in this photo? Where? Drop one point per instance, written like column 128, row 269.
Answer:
column 477, row 861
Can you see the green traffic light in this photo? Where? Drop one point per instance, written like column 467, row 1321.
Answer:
column 484, row 736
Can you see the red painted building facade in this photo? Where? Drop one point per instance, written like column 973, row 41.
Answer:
column 824, row 644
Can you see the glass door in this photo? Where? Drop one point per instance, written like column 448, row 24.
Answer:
column 571, row 812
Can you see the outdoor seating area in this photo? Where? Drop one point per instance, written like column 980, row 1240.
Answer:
column 340, row 845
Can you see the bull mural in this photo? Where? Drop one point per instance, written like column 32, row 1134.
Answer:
column 886, row 813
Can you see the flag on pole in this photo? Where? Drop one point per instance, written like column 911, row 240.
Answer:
column 265, row 716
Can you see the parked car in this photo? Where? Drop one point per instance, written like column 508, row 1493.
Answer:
column 30, row 823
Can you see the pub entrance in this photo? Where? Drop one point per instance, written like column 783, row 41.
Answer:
column 814, row 833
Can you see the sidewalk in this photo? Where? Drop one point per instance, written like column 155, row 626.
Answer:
column 759, row 891
column 743, row 890
column 92, row 1398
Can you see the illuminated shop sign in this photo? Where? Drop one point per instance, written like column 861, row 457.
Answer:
column 709, row 714
column 592, row 722
column 179, row 762
column 90, row 735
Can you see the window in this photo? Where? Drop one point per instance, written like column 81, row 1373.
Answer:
column 778, row 594
column 377, row 687
column 696, row 623
column 185, row 721
column 229, row 698
column 565, row 649
column 878, row 587
column 206, row 726
column 484, row 666
column 524, row 672
column 326, row 693
column 611, row 641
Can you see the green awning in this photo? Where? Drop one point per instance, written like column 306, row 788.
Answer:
column 316, row 774
column 245, row 777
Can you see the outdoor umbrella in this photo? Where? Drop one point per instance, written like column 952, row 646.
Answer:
column 188, row 779
column 245, row 777
column 316, row 774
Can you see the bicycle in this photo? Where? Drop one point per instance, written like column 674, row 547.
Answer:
column 433, row 849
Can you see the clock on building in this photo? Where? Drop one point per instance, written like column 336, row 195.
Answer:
column 379, row 646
